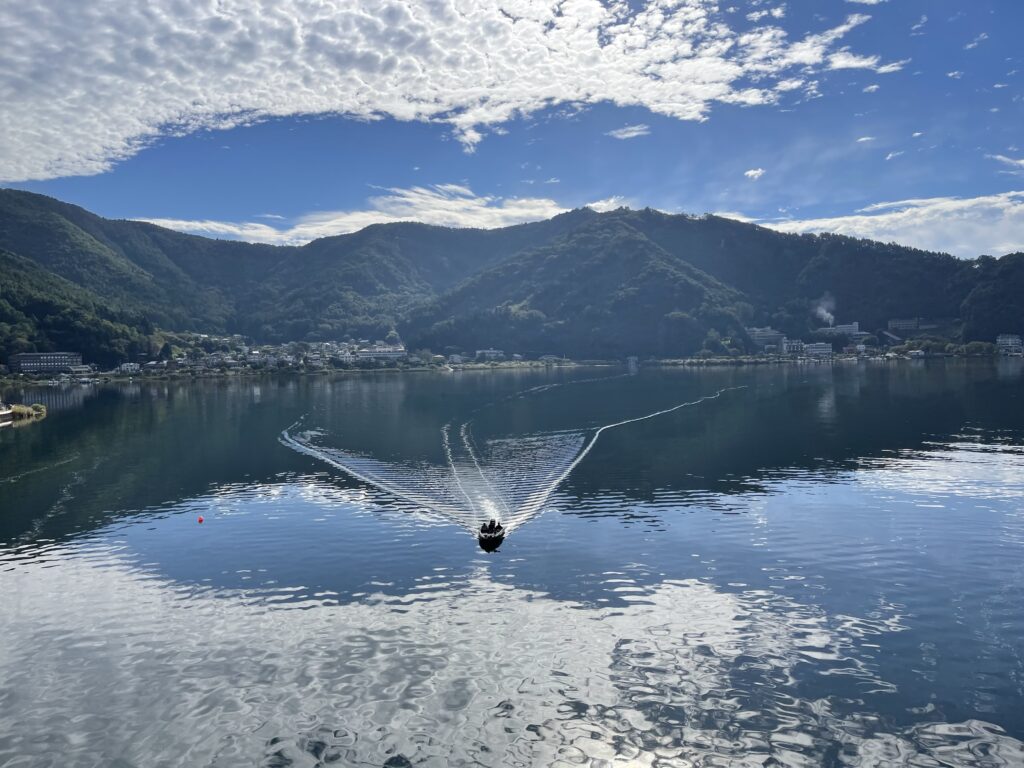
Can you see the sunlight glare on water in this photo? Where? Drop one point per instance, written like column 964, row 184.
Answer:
column 746, row 581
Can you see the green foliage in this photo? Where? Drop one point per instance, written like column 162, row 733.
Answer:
column 583, row 284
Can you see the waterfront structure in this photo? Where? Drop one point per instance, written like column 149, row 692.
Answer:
column 6, row 413
column 765, row 337
column 792, row 346
column 44, row 362
column 1009, row 344
column 382, row 352
column 819, row 349
column 129, row 368
column 490, row 354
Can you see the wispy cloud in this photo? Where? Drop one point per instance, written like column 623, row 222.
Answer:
column 754, row 173
column 956, row 74
column 846, row 59
column 86, row 85
column 865, row 139
column 976, row 41
column 1016, row 165
column 967, row 227
column 448, row 205
column 630, row 131
column 871, row 88
column 894, row 155
column 608, row 204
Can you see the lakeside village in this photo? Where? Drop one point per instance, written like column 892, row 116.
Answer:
column 203, row 355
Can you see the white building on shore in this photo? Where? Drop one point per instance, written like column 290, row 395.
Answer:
column 1009, row 344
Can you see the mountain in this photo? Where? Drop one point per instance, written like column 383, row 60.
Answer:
column 583, row 283
column 595, row 292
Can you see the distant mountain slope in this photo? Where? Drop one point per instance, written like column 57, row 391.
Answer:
column 597, row 291
column 42, row 311
column 867, row 280
column 582, row 283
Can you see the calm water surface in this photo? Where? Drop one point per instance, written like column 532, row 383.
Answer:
column 790, row 566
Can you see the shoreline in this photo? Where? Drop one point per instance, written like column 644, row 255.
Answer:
column 9, row 380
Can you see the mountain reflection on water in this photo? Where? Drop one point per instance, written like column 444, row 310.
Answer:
column 505, row 480
column 821, row 568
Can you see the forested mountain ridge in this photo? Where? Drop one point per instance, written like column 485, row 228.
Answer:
column 582, row 283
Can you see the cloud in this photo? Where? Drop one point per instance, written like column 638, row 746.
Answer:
column 920, row 24
column 955, row 74
column 871, row 88
column 976, row 41
column 864, row 139
column 447, row 205
column 966, row 227
column 85, row 85
column 845, row 59
column 608, row 204
column 867, row 2
column 893, row 155
column 754, row 173
column 630, row 131
column 1016, row 165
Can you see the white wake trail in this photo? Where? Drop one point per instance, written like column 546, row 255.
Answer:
column 510, row 479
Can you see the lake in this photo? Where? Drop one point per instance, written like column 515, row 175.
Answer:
column 785, row 566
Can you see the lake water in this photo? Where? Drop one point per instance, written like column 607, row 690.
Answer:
column 793, row 566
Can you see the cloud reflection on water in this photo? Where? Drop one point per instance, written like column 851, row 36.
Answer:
column 455, row 671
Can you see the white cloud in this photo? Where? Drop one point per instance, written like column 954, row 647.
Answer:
column 955, row 74
column 976, row 41
column 967, row 227
column 84, row 85
column 866, row 2
column 920, row 24
column 447, row 205
column 864, row 139
column 871, row 88
column 608, row 204
column 893, row 155
column 1016, row 165
column 917, row 134
column 845, row 59
column 754, row 173
column 630, row 131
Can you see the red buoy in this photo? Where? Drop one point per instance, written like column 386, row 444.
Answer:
column 200, row 518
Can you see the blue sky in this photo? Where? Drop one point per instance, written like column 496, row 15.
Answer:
column 895, row 119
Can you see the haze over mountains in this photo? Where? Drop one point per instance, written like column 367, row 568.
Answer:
column 582, row 283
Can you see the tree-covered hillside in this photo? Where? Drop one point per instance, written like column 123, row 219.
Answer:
column 583, row 283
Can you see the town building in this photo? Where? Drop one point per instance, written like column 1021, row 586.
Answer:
column 847, row 329
column 765, row 337
column 792, row 346
column 382, row 352
column 905, row 324
column 490, row 354
column 818, row 349
column 129, row 368
column 455, row 359
column 1009, row 344
column 43, row 362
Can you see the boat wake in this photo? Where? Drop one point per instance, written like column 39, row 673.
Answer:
column 505, row 479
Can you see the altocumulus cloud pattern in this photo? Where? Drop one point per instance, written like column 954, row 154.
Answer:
column 87, row 84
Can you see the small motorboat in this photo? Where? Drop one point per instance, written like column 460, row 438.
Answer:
column 491, row 534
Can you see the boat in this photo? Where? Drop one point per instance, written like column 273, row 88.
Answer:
column 490, row 536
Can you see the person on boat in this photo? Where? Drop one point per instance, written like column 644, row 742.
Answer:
column 492, row 526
